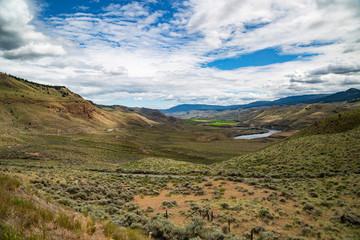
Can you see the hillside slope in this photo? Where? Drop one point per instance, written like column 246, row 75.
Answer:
column 292, row 117
column 336, row 123
column 286, row 117
column 330, row 147
column 151, row 114
column 30, row 106
column 350, row 94
column 25, row 216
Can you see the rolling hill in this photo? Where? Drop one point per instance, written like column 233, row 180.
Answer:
column 29, row 106
column 327, row 148
column 282, row 113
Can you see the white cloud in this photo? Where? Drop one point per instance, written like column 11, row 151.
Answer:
column 126, row 52
column 19, row 39
column 82, row 8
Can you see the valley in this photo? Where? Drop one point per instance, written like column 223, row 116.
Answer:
column 70, row 169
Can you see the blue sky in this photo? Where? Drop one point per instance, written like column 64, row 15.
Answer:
column 162, row 53
column 258, row 58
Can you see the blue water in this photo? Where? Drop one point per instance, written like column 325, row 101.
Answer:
column 260, row 135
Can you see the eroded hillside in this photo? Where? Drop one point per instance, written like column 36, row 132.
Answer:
column 29, row 106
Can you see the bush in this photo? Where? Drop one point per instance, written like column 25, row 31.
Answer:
column 225, row 228
column 212, row 233
column 111, row 210
column 72, row 189
column 310, row 231
column 169, row 204
column 232, row 236
column 131, row 206
column 161, row 228
column 66, row 202
column 308, row 207
column 268, row 236
column 195, row 227
column 273, row 196
column 131, row 218
column 264, row 213
column 225, row 205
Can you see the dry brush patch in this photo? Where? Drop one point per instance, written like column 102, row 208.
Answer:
column 26, row 216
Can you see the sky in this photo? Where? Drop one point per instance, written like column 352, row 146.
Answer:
column 159, row 54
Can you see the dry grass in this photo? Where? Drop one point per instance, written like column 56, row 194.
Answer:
column 25, row 216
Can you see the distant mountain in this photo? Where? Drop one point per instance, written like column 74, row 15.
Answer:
column 348, row 95
column 314, row 98
column 190, row 107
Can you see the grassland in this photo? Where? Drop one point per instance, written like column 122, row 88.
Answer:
column 303, row 187
column 214, row 122
column 25, row 216
column 103, row 173
column 303, row 207
column 186, row 143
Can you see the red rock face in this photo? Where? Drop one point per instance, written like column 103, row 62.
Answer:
column 82, row 109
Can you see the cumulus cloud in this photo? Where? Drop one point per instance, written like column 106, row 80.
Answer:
column 336, row 69
column 252, row 25
column 18, row 37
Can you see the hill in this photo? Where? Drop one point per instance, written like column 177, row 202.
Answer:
column 329, row 147
column 292, row 117
column 29, row 106
column 151, row 114
column 337, row 123
column 215, row 111
column 348, row 95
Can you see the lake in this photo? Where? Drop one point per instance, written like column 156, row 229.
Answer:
column 259, row 135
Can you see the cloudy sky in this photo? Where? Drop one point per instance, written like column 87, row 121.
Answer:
column 160, row 53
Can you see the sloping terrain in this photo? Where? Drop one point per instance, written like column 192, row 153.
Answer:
column 151, row 114
column 292, row 117
column 329, row 147
column 24, row 216
column 27, row 106
column 337, row 123
column 50, row 122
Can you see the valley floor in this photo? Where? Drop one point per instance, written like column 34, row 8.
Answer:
column 297, row 207
column 177, row 182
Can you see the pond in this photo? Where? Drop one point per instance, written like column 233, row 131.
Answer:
column 258, row 135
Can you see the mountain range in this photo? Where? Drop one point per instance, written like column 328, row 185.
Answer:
column 348, row 95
